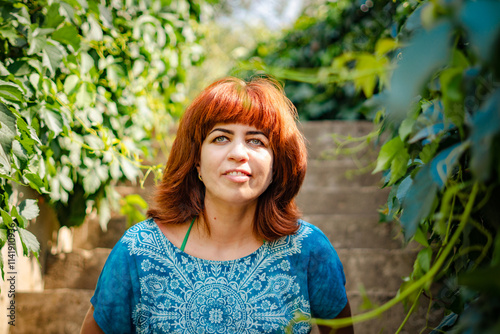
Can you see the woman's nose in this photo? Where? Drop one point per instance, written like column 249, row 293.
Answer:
column 238, row 152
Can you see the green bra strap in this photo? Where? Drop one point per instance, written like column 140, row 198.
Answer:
column 187, row 235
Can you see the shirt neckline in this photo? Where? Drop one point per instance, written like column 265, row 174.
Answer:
column 259, row 250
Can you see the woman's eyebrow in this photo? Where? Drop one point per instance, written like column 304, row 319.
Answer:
column 221, row 130
column 256, row 133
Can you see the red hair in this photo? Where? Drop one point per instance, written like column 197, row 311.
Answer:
column 261, row 103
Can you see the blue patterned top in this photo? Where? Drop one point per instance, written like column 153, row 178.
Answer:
column 150, row 286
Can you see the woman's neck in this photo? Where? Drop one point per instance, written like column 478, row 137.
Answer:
column 231, row 233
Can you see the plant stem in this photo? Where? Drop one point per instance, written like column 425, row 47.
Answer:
column 343, row 322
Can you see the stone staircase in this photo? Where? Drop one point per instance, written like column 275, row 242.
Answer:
column 346, row 209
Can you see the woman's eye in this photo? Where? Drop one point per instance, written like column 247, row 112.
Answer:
column 256, row 142
column 220, row 139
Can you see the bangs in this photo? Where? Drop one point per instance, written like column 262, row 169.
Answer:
column 252, row 104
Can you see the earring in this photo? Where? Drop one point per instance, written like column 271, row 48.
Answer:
column 199, row 176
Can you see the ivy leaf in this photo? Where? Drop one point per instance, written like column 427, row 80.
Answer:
column 53, row 18
column 68, row 34
column 26, row 138
column 391, row 150
column 37, row 44
column 29, row 209
column 442, row 165
column 424, row 258
column 29, row 242
column 52, row 57
column 10, row 91
column 7, row 126
column 35, row 182
column 5, row 166
column 86, row 95
column 52, row 119
column 70, row 84
column 418, row 201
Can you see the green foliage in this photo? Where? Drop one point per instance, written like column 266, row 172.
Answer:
column 335, row 56
column 85, row 87
column 440, row 112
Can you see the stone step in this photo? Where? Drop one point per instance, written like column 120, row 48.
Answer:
column 90, row 234
column 77, row 270
column 339, row 173
column 357, row 230
column 320, row 142
column 357, row 200
column 376, row 270
column 48, row 312
column 58, row 311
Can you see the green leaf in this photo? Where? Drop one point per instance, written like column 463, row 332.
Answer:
column 37, row 44
column 419, row 201
column 9, row 33
column 86, row 95
column 388, row 152
column 427, row 52
column 52, row 57
column 91, row 182
column 7, row 126
column 29, row 242
column 3, row 236
column 29, row 209
column 399, row 165
column 35, row 182
column 68, row 34
column 70, row 84
column 424, row 258
column 53, row 18
column 26, row 138
column 421, row 237
column 442, row 165
column 10, row 91
column 52, row 119
column 7, row 219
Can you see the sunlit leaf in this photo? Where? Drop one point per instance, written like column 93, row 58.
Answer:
column 52, row 119
column 29, row 242
column 388, row 152
column 67, row 34
column 53, row 18
column 52, row 57
column 29, row 209
column 10, row 91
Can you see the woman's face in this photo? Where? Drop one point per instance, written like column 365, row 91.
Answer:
column 236, row 164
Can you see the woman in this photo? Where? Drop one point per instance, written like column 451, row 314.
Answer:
column 224, row 250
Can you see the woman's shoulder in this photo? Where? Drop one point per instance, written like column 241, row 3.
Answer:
column 309, row 230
